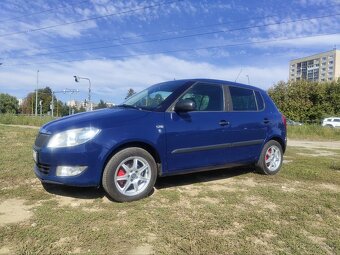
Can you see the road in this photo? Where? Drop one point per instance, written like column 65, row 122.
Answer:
column 314, row 144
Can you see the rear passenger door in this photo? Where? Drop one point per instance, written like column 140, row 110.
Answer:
column 248, row 124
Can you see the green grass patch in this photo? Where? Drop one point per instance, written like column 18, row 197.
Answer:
column 24, row 120
column 313, row 132
column 231, row 211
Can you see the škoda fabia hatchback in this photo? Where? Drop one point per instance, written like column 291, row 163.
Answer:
column 170, row 128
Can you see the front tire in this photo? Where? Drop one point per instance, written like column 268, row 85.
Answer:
column 270, row 161
column 130, row 175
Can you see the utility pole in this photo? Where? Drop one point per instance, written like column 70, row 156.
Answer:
column 36, row 95
column 71, row 91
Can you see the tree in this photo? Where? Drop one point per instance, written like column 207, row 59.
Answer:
column 101, row 105
column 306, row 101
column 45, row 94
column 8, row 104
column 130, row 93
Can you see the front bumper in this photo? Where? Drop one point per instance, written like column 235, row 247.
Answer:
column 90, row 155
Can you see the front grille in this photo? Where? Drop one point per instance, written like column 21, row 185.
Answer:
column 41, row 140
column 43, row 168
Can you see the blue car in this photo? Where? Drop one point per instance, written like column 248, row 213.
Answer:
column 170, row 128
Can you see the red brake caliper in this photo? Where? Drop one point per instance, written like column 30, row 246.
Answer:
column 269, row 152
column 121, row 172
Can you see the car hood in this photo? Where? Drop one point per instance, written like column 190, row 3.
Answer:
column 104, row 118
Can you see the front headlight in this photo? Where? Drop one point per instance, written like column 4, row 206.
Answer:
column 72, row 137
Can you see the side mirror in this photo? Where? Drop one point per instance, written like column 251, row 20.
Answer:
column 185, row 105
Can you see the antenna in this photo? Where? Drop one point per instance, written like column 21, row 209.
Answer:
column 238, row 75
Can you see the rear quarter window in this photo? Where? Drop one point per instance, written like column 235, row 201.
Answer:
column 243, row 99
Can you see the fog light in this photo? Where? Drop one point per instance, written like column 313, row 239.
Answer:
column 70, row 170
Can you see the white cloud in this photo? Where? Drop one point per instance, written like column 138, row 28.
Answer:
column 111, row 78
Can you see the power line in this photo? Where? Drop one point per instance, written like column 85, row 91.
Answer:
column 183, row 36
column 163, row 32
column 89, row 19
column 179, row 50
column 41, row 12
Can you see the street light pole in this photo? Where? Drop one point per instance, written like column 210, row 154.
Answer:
column 76, row 79
column 36, row 95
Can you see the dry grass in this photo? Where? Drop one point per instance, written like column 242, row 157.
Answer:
column 232, row 211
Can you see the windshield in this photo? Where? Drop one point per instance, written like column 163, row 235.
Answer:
column 153, row 97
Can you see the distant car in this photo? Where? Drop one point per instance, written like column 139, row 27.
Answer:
column 293, row 123
column 333, row 122
column 170, row 128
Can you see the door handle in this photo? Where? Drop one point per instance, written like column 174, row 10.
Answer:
column 224, row 123
column 266, row 121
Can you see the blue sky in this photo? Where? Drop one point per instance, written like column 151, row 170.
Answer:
column 133, row 44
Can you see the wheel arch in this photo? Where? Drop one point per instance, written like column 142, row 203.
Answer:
column 143, row 145
column 279, row 140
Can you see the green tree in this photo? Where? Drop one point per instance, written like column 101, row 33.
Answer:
column 130, row 93
column 8, row 104
column 306, row 101
column 45, row 94
column 101, row 105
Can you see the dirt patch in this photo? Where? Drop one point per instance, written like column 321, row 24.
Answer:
column 320, row 241
column 142, row 250
column 6, row 250
column 286, row 161
column 287, row 188
column 64, row 241
column 331, row 187
column 72, row 202
column 14, row 211
column 260, row 202
column 224, row 188
column 233, row 230
column 210, row 200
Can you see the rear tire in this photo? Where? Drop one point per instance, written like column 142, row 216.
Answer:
column 270, row 161
column 130, row 175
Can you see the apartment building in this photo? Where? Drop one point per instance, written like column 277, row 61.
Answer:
column 319, row 67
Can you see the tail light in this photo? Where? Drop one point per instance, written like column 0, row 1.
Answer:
column 284, row 120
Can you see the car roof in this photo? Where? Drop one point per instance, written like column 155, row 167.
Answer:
column 223, row 82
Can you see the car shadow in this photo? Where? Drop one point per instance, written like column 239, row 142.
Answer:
column 161, row 183
column 200, row 177
column 74, row 192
